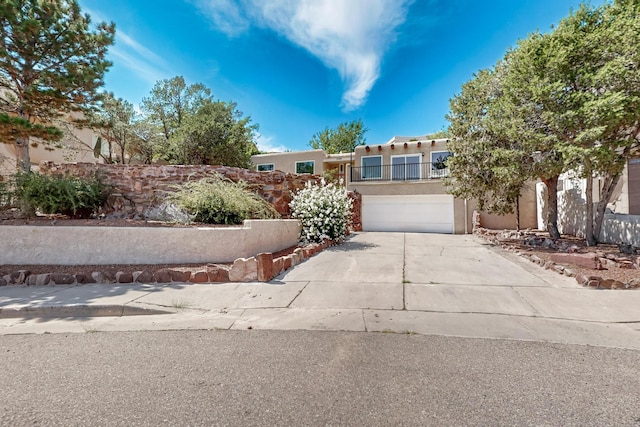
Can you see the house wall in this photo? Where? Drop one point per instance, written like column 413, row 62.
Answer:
column 76, row 146
column 286, row 162
column 423, row 147
column 528, row 213
column 634, row 186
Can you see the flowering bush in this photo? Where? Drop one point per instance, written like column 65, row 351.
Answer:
column 324, row 211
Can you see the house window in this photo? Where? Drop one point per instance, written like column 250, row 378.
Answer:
column 439, row 168
column 264, row 167
column 405, row 167
column 305, row 167
column 372, row 167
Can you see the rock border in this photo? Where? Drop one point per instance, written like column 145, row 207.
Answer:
column 261, row 268
column 591, row 281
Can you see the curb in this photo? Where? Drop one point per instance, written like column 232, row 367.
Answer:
column 77, row 311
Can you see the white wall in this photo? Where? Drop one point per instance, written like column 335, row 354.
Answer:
column 28, row 245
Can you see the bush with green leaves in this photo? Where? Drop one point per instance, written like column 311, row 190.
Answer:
column 6, row 194
column 216, row 200
column 324, row 211
column 63, row 194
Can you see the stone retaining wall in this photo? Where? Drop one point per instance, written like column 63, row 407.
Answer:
column 138, row 187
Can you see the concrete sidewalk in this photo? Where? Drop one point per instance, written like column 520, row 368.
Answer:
column 376, row 282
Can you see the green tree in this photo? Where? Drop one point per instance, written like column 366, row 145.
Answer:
column 488, row 165
column 115, row 121
column 592, row 96
column 171, row 101
column 51, row 64
column 343, row 139
column 217, row 134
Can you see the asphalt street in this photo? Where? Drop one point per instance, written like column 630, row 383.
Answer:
column 245, row 378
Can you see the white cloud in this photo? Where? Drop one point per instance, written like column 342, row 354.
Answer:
column 227, row 15
column 350, row 36
column 266, row 144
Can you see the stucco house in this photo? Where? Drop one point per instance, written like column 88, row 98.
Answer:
column 402, row 188
column 315, row 162
column 401, row 184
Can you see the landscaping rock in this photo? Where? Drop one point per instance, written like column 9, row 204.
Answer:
column 163, row 276
column 200, row 276
column 278, row 266
column 19, row 277
column 593, row 283
column 569, row 273
column 38, row 279
column 179, row 276
column 298, row 255
column 611, row 284
column 122, row 277
column 83, row 278
column 588, row 260
column 633, row 283
column 558, row 268
column 3, row 281
column 218, row 274
column 244, row 270
column 62, row 279
column 144, row 276
column 265, row 266
column 582, row 279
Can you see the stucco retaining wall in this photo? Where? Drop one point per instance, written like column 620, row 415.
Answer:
column 620, row 228
column 28, row 245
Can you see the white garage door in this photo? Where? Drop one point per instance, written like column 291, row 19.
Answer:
column 417, row 213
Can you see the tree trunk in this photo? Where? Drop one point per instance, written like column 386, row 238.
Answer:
column 518, row 213
column 552, row 203
column 610, row 183
column 591, row 240
column 23, row 159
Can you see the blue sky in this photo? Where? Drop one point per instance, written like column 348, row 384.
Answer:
column 298, row 66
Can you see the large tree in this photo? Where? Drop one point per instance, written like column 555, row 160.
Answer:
column 343, row 139
column 217, row 134
column 171, row 101
column 569, row 100
column 51, row 64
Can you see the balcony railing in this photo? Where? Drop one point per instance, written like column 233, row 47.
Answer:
column 402, row 172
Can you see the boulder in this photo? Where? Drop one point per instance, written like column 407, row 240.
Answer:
column 199, row 276
column 62, row 279
column 144, row 276
column 265, row 267
column 244, row 270
column 122, row 277
column 588, row 260
column 218, row 274
column 38, row 279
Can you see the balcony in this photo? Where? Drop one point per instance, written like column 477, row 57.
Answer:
column 399, row 172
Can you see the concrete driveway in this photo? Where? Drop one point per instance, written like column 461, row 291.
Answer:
column 386, row 282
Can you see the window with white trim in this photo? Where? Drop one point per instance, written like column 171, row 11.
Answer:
column 371, row 167
column 439, row 168
column 406, row 167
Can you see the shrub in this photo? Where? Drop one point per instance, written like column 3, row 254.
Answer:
column 324, row 211
column 64, row 194
column 216, row 200
column 6, row 194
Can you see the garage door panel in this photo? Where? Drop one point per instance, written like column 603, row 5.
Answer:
column 418, row 213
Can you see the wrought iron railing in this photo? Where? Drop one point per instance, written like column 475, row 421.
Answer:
column 401, row 172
